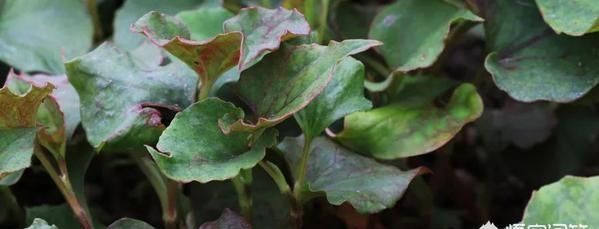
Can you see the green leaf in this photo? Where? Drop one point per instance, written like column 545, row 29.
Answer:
column 41, row 224
column 134, row 9
column 530, row 62
column 193, row 148
column 11, row 178
column 407, row 129
column 285, row 81
column 414, row 39
column 264, row 30
column 18, row 127
column 342, row 96
column 205, row 22
column 228, row 220
column 210, row 59
column 347, row 177
column 571, row 200
column 127, row 223
column 118, row 96
column 571, row 17
column 29, row 45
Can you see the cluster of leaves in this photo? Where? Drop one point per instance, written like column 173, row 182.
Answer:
column 204, row 91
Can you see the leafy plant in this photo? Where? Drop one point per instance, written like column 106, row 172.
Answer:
column 291, row 111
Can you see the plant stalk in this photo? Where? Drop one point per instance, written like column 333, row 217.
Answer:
column 92, row 8
column 204, row 90
column 61, row 179
column 324, row 18
column 10, row 201
column 298, row 187
column 244, row 194
column 170, row 215
column 275, row 173
column 159, row 183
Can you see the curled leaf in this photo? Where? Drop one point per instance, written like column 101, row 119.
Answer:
column 286, row 81
column 407, row 129
column 264, row 30
column 209, row 59
column 193, row 148
column 18, row 126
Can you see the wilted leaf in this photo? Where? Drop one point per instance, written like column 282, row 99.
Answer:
column 209, row 59
column 414, row 39
column 18, row 127
column 127, row 223
column 347, row 177
column 408, row 129
column 193, row 148
column 530, row 62
column 205, row 22
column 264, row 30
column 41, row 224
column 285, row 81
column 342, row 96
column 228, row 220
column 118, row 96
column 58, row 114
column 64, row 94
column 571, row 17
column 134, row 9
column 571, row 200
column 29, row 45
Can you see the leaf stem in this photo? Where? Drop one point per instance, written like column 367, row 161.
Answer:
column 170, row 215
column 9, row 200
column 158, row 182
column 61, row 179
column 204, row 90
column 92, row 8
column 244, row 194
column 275, row 173
column 377, row 66
column 324, row 18
column 298, row 187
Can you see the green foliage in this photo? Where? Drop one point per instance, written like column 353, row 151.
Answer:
column 199, row 95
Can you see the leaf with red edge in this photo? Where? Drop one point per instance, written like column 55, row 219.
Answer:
column 287, row 80
column 209, row 59
column 264, row 30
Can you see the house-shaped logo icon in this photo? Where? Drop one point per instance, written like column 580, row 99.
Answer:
column 488, row 225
